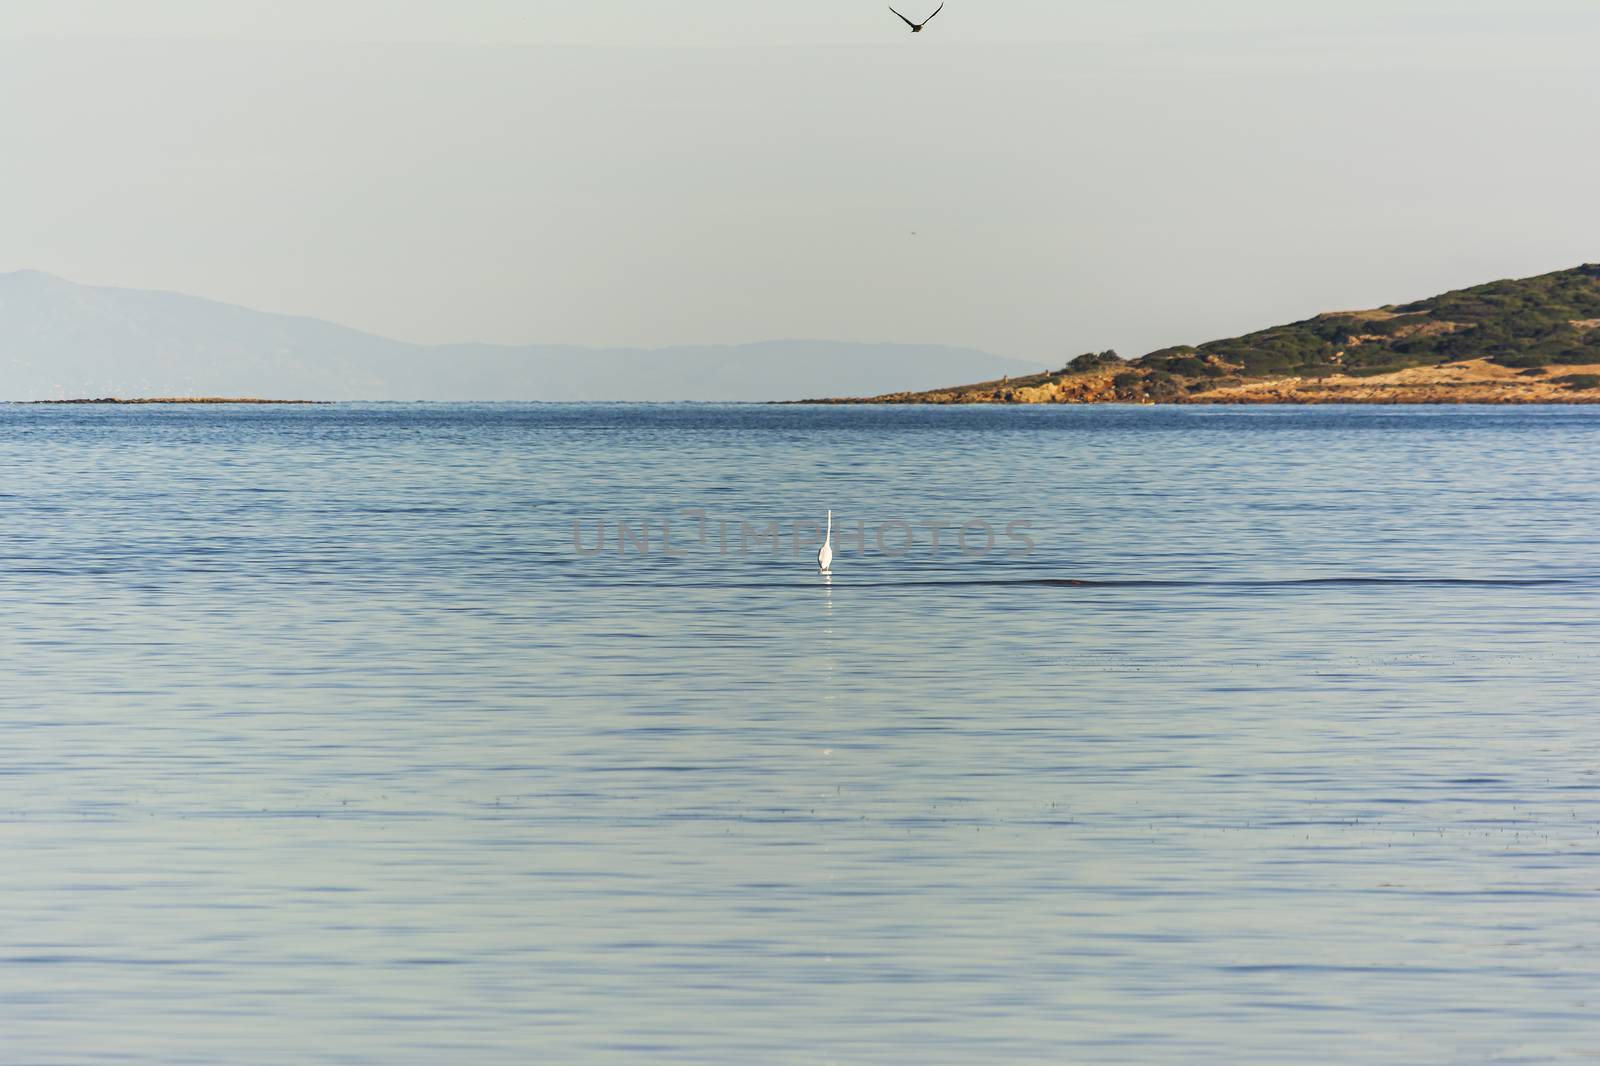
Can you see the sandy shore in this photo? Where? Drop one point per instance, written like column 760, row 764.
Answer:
column 175, row 399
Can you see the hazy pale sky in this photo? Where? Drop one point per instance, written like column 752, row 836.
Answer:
column 1032, row 177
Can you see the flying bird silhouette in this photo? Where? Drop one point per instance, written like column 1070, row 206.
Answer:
column 916, row 27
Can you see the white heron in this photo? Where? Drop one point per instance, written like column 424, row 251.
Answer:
column 825, row 554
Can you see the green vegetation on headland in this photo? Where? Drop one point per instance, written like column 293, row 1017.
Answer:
column 1491, row 343
column 1527, row 323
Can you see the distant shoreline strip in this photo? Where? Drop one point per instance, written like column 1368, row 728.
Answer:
column 117, row 400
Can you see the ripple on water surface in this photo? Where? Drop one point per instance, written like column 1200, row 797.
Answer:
column 324, row 745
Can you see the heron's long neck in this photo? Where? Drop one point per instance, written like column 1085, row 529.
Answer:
column 830, row 525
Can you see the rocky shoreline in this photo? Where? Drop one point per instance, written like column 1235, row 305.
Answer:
column 1475, row 381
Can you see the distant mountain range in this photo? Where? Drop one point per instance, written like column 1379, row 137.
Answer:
column 62, row 340
column 1526, row 340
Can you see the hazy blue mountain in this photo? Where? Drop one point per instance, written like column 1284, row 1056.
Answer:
column 59, row 339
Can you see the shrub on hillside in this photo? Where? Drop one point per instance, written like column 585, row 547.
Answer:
column 1093, row 361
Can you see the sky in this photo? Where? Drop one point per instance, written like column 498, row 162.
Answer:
column 1035, row 178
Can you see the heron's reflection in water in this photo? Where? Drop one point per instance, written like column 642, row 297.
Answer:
column 828, row 639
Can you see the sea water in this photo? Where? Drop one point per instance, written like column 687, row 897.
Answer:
column 1256, row 736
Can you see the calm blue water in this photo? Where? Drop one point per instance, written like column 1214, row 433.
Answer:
column 323, row 744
